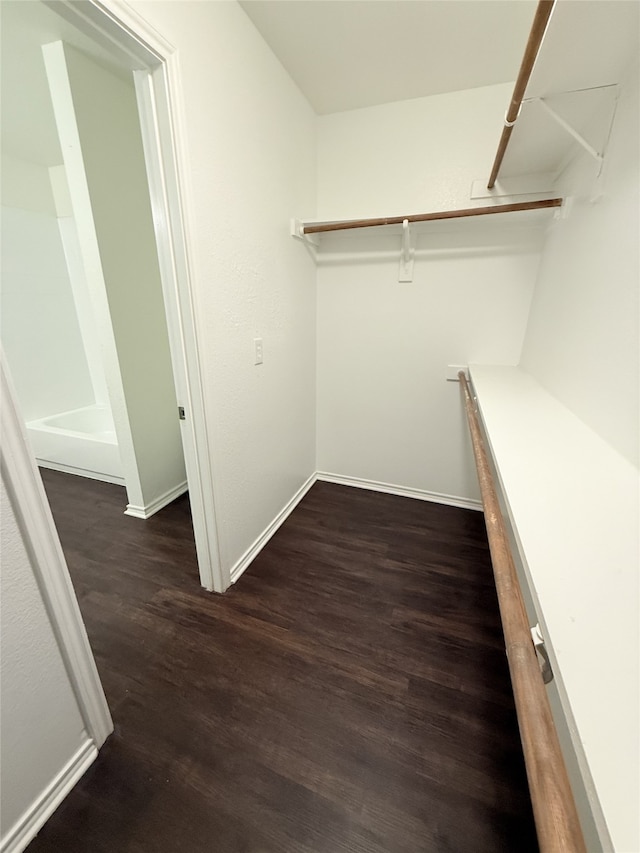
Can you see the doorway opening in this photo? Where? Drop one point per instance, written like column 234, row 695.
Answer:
column 111, row 356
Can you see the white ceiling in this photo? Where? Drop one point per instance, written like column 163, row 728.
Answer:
column 343, row 54
column 346, row 54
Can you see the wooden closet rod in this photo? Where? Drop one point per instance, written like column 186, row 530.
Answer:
column 554, row 808
column 538, row 29
column 346, row 224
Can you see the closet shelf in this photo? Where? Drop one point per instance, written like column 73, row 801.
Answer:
column 562, row 486
column 302, row 229
column 567, row 100
column 528, row 213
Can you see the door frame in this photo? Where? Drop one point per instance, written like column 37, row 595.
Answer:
column 114, row 25
column 29, row 501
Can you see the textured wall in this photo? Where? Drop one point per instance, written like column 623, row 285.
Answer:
column 385, row 411
column 41, row 727
column 250, row 146
column 409, row 156
column 583, row 336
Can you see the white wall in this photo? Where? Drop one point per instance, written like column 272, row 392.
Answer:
column 41, row 726
column 408, row 156
column 582, row 342
column 26, row 185
column 249, row 142
column 572, row 504
column 385, row 411
column 107, row 120
column 81, row 297
column 583, row 345
column 40, row 329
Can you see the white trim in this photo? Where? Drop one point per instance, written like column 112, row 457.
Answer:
column 159, row 92
column 27, row 827
column 33, row 513
column 59, row 83
column 401, row 491
column 159, row 503
column 372, row 485
column 160, row 141
column 252, row 552
column 80, row 472
column 560, row 523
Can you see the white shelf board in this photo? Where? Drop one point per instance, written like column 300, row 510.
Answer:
column 573, row 502
column 587, row 45
column 539, row 144
column 489, row 224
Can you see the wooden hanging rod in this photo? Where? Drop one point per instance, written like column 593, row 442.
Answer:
column 554, row 808
column 431, row 217
column 538, row 29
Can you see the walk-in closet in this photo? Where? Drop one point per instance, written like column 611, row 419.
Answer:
column 391, row 602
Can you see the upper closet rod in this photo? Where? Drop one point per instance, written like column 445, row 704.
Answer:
column 429, row 217
column 540, row 21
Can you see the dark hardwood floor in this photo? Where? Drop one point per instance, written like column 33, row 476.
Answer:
column 350, row 693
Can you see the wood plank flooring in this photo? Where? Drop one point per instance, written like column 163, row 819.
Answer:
column 349, row 695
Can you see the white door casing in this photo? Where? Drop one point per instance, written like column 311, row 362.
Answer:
column 112, row 23
column 28, row 498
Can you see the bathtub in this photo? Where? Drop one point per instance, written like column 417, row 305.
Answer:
column 82, row 441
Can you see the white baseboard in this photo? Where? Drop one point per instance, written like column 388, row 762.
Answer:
column 159, row 503
column 252, row 552
column 401, row 491
column 24, row 831
column 81, row 472
column 268, row 532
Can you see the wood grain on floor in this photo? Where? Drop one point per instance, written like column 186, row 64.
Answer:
column 349, row 695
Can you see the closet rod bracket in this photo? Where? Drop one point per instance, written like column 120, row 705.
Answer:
column 405, row 273
column 296, row 229
column 598, row 156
